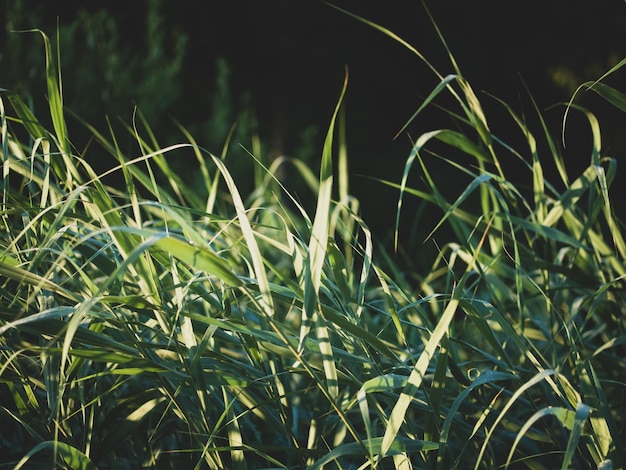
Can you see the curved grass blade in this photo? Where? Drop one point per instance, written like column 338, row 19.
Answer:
column 71, row 456
column 198, row 257
column 22, row 275
column 267, row 302
column 613, row 96
column 419, row 371
column 582, row 413
column 563, row 415
column 399, row 446
column 542, row 375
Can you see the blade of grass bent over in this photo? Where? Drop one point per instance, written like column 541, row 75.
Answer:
column 542, row 375
column 610, row 94
column 70, row 455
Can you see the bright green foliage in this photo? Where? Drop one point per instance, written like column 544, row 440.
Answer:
column 159, row 326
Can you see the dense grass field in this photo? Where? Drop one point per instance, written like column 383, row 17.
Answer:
column 157, row 325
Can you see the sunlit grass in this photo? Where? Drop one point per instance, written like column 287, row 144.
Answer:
column 162, row 326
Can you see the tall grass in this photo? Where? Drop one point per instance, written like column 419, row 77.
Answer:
column 155, row 326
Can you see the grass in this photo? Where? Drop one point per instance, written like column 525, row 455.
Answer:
column 160, row 326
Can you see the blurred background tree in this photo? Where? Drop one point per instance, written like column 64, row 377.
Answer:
column 274, row 68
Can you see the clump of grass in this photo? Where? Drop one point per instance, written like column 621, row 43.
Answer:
column 159, row 326
column 536, row 292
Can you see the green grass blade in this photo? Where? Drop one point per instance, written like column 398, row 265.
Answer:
column 260, row 274
column 419, row 370
column 27, row 118
column 404, row 445
column 317, row 250
column 71, row 456
column 22, row 275
column 198, row 257
column 563, row 415
column 442, row 85
column 55, row 95
column 613, row 96
column 582, row 413
column 610, row 94
column 542, row 375
column 4, row 146
column 392, row 35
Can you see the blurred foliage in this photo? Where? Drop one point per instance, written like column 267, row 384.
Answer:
column 112, row 69
column 104, row 70
column 261, row 76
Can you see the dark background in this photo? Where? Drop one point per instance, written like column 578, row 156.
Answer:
column 283, row 62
